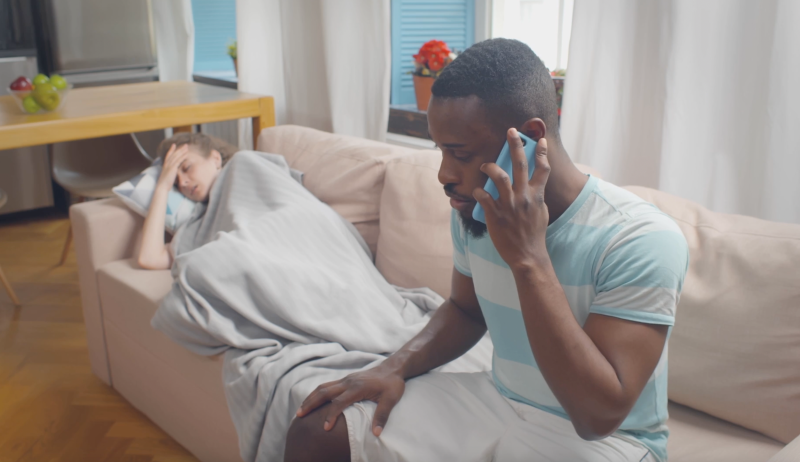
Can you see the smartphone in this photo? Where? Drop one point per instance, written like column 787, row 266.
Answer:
column 504, row 161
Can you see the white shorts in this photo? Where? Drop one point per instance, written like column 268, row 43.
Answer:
column 462, row 417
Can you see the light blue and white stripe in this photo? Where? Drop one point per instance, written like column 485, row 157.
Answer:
column 614, row 255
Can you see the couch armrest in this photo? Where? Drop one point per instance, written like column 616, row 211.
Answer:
column 791, row 453
column 104, row 231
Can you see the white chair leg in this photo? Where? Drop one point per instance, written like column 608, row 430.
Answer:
column 67, row 244
column 10, row 291
column 65, row 252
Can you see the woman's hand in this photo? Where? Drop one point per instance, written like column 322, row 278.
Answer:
column 153, row 253
column 172, row 162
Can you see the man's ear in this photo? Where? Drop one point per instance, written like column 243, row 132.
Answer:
column 534, row 128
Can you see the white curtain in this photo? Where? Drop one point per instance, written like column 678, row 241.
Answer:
column 544, row 25
column 696, row 98
column 327, row 63
column 174, row 31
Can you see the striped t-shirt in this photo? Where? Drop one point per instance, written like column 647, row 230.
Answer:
column 614, row 254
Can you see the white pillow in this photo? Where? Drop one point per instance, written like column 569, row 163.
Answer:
column 137, row 193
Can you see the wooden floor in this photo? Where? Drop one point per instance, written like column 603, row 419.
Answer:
column 51, row 406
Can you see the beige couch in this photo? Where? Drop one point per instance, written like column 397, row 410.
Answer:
column 734, row 353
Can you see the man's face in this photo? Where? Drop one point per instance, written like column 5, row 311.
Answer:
column 460, row 127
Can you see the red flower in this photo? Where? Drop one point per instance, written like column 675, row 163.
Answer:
column 434, row 55
column 435, row 46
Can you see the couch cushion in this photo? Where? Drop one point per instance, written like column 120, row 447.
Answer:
column 698, row 437
column 180, row 391
column 735, row 348
column 105, row 230
column 791, row 453
column 414, row 246
column 172, row 400
column 345, row 172
column 130, row 297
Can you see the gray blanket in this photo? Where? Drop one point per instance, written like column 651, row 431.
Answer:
column 286, row 288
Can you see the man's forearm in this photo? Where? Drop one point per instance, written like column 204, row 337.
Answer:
column 584, row 382
column 448, row 335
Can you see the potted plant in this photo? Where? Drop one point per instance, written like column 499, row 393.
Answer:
column 433, row 56
column 233, row 55
column 558, row 76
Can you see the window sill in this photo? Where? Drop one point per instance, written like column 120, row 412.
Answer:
column 405, row 119
column 409, row 141
column 226, row 79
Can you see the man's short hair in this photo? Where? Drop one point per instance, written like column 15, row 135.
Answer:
column 508, row 77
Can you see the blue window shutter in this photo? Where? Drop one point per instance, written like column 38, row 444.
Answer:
column 214, row 28
column 414, row 22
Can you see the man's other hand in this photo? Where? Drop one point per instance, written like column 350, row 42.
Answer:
column 381, row 384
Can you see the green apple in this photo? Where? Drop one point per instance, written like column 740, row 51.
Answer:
column 30, row 105
column 59, row 82
column 40, row 79
column 46, row 96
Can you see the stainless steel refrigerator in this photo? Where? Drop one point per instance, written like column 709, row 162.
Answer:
column 99, row 42
column 96, row 42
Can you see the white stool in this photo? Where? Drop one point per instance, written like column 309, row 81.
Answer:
column 11, row 294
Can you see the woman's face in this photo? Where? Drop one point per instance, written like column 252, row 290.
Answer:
column 196, row 174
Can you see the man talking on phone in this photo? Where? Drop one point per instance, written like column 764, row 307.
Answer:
column 576, row 280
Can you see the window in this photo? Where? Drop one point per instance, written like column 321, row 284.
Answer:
column 214, row 28
column 414, row 22
column 544, row 25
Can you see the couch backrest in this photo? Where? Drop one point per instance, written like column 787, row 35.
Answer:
column 345, row 172
column 735, row 348
column 414, row 246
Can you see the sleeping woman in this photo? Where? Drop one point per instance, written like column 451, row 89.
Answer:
column 192, row 162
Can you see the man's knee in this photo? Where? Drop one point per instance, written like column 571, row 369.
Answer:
column 308, row 441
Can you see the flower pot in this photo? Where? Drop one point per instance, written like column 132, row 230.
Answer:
column 422, row 89
column 236, row 67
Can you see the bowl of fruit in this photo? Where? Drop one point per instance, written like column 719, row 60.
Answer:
column 42, row 95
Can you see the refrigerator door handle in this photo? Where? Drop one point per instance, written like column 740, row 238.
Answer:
column 13, row 59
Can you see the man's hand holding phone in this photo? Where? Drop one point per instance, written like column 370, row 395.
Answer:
column 517, row 220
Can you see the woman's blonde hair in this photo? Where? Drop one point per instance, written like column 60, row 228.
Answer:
column 204, row 143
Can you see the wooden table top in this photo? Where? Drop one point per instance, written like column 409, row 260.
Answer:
column 116, row 109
